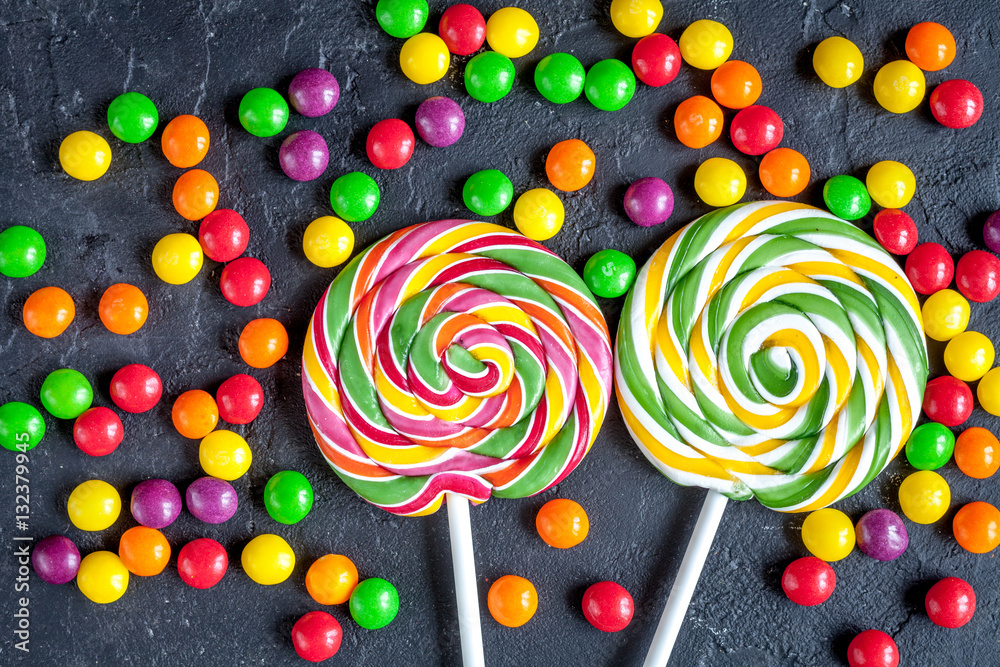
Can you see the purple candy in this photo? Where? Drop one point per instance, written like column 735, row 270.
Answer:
column 991, row 232
column 440, row 121
column 303, row 156
column 882, row 535
column 314, row 92
column 155, row 503
column 211, row 500
column 56, row 559
column 649, row 201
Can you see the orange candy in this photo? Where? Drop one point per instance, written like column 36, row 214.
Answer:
column 784, row 172
column 930, row 46
column 977, row 527
column 263, row 342
column 48, row 312
column 195, row 414
column 185, row 141
column 332, row 579
column 123, row 309
column 512, row 601
column 570, row 165
column 977, row 453
column 196, row 194
column 736, row 84
column 698, row 121
column 144, row 551
column 562, row 523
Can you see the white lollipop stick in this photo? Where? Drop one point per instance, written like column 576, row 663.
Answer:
column 466, row 591
column 687, row 578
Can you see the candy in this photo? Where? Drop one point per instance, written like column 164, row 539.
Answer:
column 85, row 156
column 288, row 497
column 317, row 635
column 354, row 196
column 303, row 156
column 211, row 500
column 991, row 232
column 977, row 527
column 929, row 268
column 847, row 198
column 401, row 18
column 609, row 85
column 123, row 309
column 720, row 182
column 539, row 214
column 608, row 606
column 136, row 388
column 698, row 121
column 245, row 281
column 202, row 563
column 570, row 165
column 559, row 77
column 924, row 497
column 511, row 31
column 66, row 393
column 562, row 523
column 609, row 273
column 267, row 559
column 240, row 399
column 636, row 18
column 374, row 603
column 177, row 258
column 828, row 534
column 223, row 235
column 706, row 44
column 195, row 414
column 225, row 455
column 94, row 505
column 98, row 431
column 945, row 314
column 132, row 117
column 489, row 76
column 22, row 251
column 969, row 355
column 890, row 184
column 663, row 363
column 48, row 312
column 988, row 392
column 838, row 62
column 882, row 535
column 950, row 603
column 930, row 446
column 487, row 192
column 756, row 130
column 196, row 194
column 736, row 84
column 977, row 453
column 478, row 308
column 424, row 58
column 957, row 104
column 185, row 141
column 103, row 577
column 649, row 201
column 947, row 400
column 21, row 426
column 313, row 92
column 56, row 560
column 144, row 551
column 808, row 581
column 512, row 601
column 977, row 275
column 656, row 60
column 328, row 242
column 440, row 121
column 930, row 46
column 331, row 579
column 872, row 648
column 156, row 503
column 784, row 172
column 896, row 231
column 389, row 144
column 263, row 112
column 899, row 86
column 263, row 342
column 463, row 29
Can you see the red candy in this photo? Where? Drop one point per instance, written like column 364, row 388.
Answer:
column 98, row 431
column 896, row 231
column 608, row 606
column 202, row 563
column 977, row 275
column 947, row 400
column 656, row 59
column 245, row 281
column 956, row 104
column 756, row 130
column 223, row 235
column 390, row 144
column 808, row 581
column 316, row 636
column 136, row 388
column 950, row 603
column 463, row 29
column 929, row 268
column 872, row 648
column 240, row 399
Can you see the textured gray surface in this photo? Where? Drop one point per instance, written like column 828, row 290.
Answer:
column 61, row 65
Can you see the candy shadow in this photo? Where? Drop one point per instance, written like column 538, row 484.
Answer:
column 841, row 641
column 916, row 594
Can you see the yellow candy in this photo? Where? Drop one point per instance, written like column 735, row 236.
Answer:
column 102, row 577
column 720, row 182
column 424, row 58
column 94, row 505
column 828, row 534
column 328, row 241
column 945, row 314
column 988, row 392
column 924, row 496
column 512, row 32
column 899, row 86
column 177, row 258
column 539, row 214
column 636, row 18
column 838, row 62
column 85, row 155
column 268, row 560
column 706, row 44
column 225, row 455
column 891, row 184
column 969, row 355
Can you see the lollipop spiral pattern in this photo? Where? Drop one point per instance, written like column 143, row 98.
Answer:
column 771, row 350
column 455, row 356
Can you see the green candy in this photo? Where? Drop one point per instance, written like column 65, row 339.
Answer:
column 559, row 77
column 930, row 446
column 22, row 251
column 609, row 273
column 610, row 84
column 488, row 192
column 374, row 603
column 132, row 117
column 489, row 76
column 21, row 426
column 354, row 196
column 66, row 393
column 288, row 496
column 402, row 18
column 263, row 112
column 847, row 197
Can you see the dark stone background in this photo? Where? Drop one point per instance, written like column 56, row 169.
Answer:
column 60, row 66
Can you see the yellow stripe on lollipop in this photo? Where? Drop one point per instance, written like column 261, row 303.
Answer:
column 845, row 474
column 827, row 270
column 700, row 354
column 827, row 447
column 760, row 215
column 896, row 282
column 756, row 421
column 836, row 361
column 503, row 361
column 326, row 389
column 771, row 280
column 654, row 280
column 719, row 277
column 671, row 353
column 458, row 235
